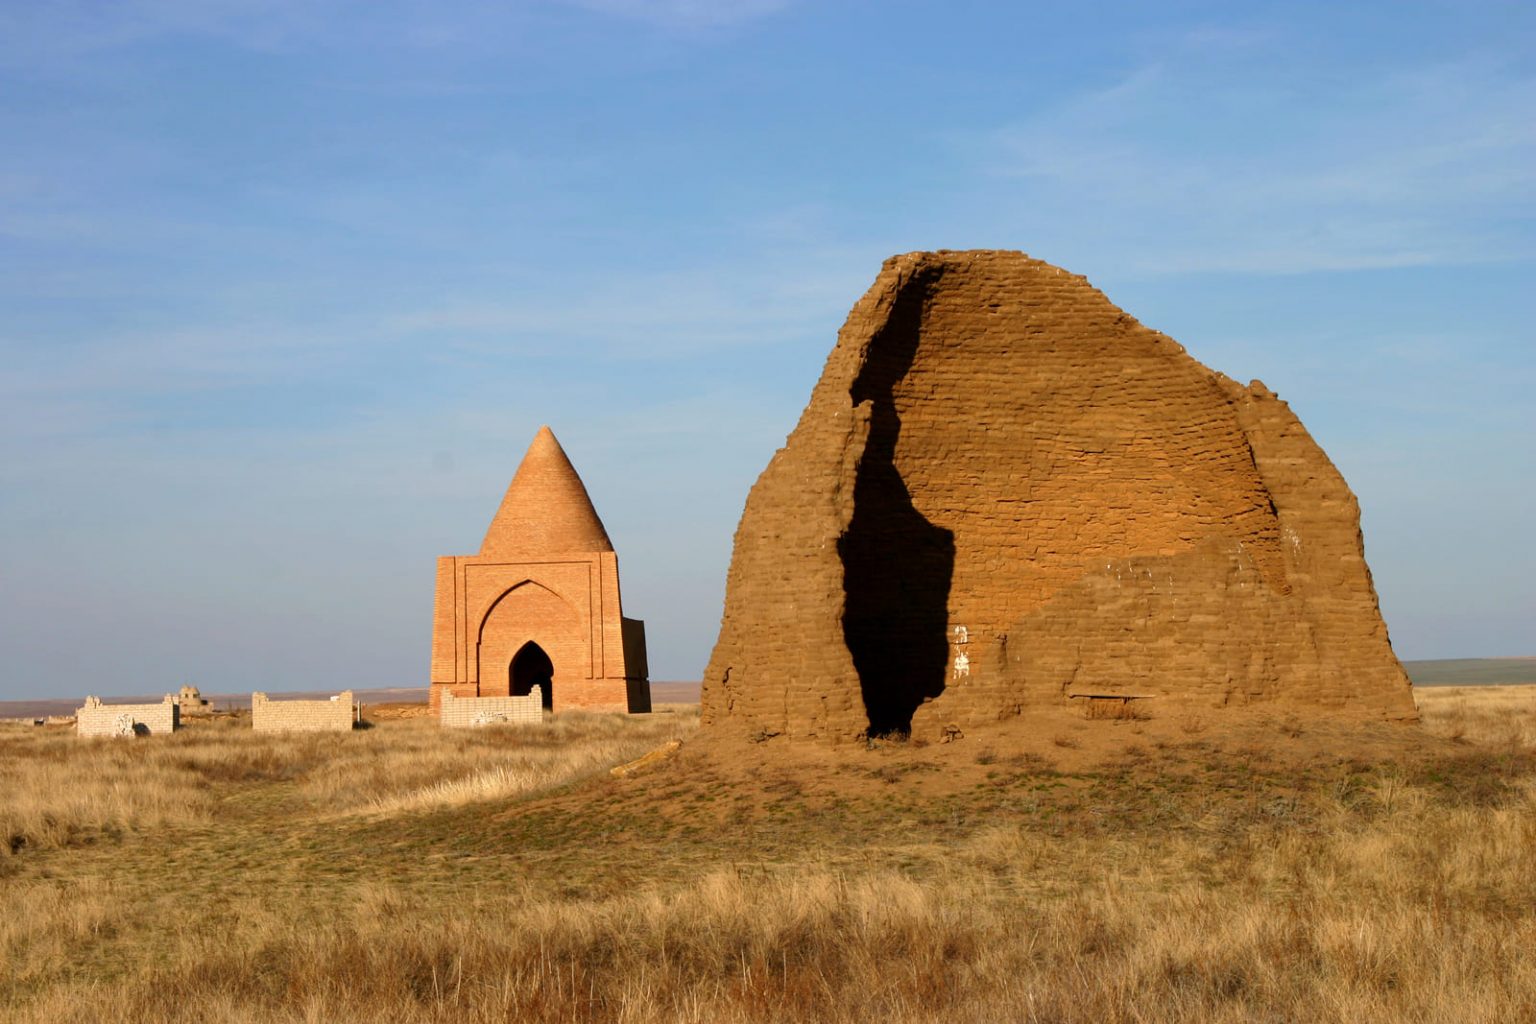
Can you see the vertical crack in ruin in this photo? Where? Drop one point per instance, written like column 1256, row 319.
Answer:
column 897, row 566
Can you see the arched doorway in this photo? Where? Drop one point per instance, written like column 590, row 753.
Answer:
column 531, row 667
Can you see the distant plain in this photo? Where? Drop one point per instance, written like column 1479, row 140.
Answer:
column 1441, row 672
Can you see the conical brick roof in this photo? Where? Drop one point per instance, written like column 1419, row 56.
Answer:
column 546, row 509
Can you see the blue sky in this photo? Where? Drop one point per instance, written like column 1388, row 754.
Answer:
column 287, row 287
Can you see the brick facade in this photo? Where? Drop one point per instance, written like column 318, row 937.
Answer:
column 456, row 712
column 539, row 605
column 98, row 719
column 339, row 714
column 1005, row 492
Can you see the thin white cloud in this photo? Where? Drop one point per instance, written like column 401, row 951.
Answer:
column 40, row 33
column 687, row 14
column 1181, row 169
column 119, row 379
column 649, row 314
column 34, row 33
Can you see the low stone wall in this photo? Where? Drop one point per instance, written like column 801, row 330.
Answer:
column 98, row 719
column 338, row 714
column 462, row 711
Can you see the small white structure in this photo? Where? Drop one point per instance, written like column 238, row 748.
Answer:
column 463, row 711
column 98, row 719
column 336, row 714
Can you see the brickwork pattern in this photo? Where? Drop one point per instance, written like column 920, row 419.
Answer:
column 457, row 712
column 338, row 714
column 546, row 575
column 98, row 719
column 1005, row 490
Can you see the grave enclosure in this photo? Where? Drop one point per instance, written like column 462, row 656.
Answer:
column 458, row 712
column 95, row 718
column 338, row 714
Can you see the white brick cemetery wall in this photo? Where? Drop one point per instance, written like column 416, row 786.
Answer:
column 335, row 715
column 98, row 719
column 462, row 711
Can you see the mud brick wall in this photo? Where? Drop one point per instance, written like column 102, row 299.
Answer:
column 98, row 719
column 1005, row 491
column 456, row 712
column 338, row 715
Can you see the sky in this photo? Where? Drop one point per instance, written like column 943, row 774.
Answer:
column 288, row 286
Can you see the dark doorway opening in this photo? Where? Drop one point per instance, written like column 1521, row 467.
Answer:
column 531, row 667
column 897, row 566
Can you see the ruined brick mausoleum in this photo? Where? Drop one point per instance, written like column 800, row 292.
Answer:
column 1006, row 494
column 538, row 607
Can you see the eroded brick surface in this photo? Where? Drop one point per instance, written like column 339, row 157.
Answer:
column 1006, row 491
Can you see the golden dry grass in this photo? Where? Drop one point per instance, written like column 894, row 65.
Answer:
column 345, row 879
column 61, row 790
column 1486, row 715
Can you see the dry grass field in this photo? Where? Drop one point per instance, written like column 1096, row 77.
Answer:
column 1276, row 870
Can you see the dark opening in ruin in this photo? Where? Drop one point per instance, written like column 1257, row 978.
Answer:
column 531, row 667
column 897, row 565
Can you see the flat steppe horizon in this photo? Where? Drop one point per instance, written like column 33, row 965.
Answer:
column 1432, row 672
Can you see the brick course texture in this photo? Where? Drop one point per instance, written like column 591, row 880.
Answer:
column 539, row 605
column 456, row 712
column 336, row 715
column 1005, row 492
column 98, row 719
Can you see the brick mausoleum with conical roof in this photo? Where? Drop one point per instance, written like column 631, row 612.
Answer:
column 539, row 605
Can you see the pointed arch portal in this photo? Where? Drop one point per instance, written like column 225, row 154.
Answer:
column 531, row 667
